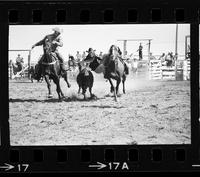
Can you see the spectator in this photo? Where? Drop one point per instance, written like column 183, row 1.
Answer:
column 162, row 59
column 83, row 55
column 78, row 56
column 140, row 51
column 126, row 55
column 151, row 57
column 169, row 59
column 101, row 55
column 19, row 59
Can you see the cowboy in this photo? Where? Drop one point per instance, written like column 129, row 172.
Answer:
column 90, row 56
column 140, row 51
column 55, row 40
column 19, row 59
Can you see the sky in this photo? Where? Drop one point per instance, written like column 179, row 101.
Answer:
column 100, row 37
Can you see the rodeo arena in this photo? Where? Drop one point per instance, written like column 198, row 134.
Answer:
column 141, row 99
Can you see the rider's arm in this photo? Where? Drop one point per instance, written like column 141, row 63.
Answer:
column 40, row 42
column 59, row 42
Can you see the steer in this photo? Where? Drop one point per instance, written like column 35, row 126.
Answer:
column 85, row 79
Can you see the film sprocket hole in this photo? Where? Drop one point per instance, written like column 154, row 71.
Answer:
column 99, row 86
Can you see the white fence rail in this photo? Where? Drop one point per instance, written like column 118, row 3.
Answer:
column 158, row 72
column 23, row 72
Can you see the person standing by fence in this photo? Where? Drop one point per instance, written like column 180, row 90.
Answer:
column 78, row 56
column 140, row 51
column 169, row 59
column 83, row 55
column 19, row 59
column 101, row 55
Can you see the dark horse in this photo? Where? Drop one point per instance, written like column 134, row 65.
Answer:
column 85, row 79
column 33, row 73
column 50, row 67
column 113, row 65
column 16, row 67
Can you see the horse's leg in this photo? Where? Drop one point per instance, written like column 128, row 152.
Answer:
column 79, row 89
column 123, row 82
column 48, row 86
column 114, row 89
column 90, row 90
column 66, row 80
column 58, row 88
column 111, row 86
column 117, row 85
column 83, row 92
column 31, row 78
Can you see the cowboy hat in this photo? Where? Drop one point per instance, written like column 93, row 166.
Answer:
column 57, row 29
column 90, row 50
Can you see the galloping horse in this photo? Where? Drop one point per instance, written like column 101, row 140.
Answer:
column 112, row 64
column 115, row 69
column 50, row 66
column 16, row 67
column 33, row 73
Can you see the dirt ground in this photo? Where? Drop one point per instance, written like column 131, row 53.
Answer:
column 151, row 112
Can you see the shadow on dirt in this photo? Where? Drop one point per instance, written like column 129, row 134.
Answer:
column 103, row 106
column 53, row 100
column 112, row 95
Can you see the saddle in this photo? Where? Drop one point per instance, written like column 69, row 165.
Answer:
column 48, row 58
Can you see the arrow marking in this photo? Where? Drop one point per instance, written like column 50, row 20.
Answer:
column 98, row 166
column 7, row 167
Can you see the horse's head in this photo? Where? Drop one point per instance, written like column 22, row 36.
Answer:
column 114, row 52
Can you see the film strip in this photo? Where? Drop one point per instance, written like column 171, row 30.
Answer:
column 103, row 144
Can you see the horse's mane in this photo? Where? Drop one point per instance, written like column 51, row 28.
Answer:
column 118, row 49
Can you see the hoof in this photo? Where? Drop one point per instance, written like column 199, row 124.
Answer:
column 93, row 96
column 61, row 99
column 119, row 95
column 50, row 96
